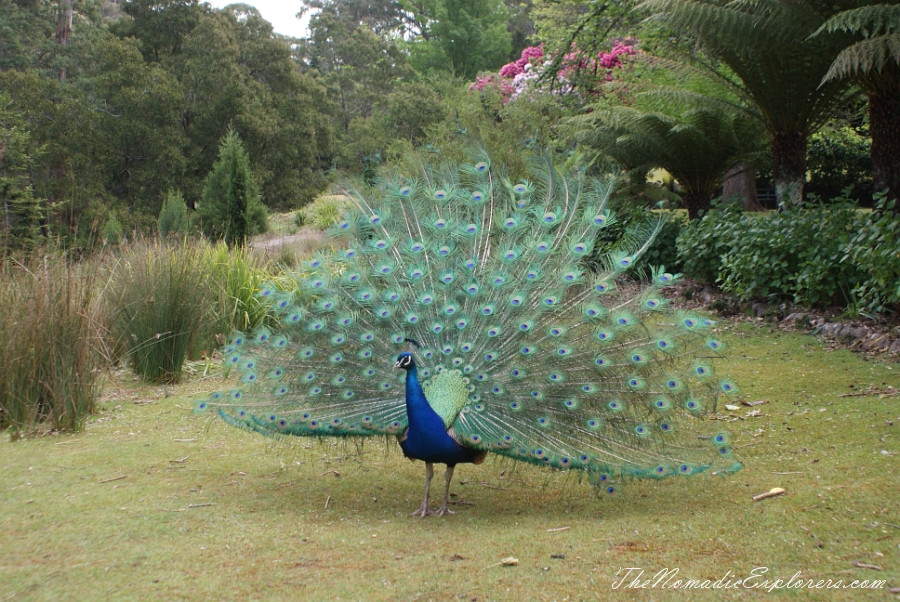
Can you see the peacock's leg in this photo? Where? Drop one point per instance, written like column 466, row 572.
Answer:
column 447, row 477
column 423, row 511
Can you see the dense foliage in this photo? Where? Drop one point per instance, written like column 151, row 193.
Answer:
column 818, row 255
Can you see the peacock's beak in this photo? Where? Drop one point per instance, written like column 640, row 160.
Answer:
column 397, row 364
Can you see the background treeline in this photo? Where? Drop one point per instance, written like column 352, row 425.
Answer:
column 109, row 108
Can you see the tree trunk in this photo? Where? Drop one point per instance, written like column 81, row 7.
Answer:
column 789, row 167
column 696, row 202
column 740, row 182
column 64, row 28
column 884, row 125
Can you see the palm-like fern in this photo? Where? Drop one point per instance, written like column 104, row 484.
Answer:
column 696, row 145
column 766, row 44
column 872, row 60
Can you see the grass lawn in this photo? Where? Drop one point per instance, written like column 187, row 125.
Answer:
column 150, row 503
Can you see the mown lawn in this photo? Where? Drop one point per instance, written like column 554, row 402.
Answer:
column 150, row 503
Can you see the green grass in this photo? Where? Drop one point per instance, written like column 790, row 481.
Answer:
column 150, row 503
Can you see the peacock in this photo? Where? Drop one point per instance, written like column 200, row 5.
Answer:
column 468, row 314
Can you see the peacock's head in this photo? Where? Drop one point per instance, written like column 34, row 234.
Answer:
column 405, row 361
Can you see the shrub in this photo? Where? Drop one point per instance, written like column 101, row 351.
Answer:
column 702, row 243
column 173, row 217
column 157, row 302
column 50, row 354
column 875, row 250
column 795, row 254
column 113, row 232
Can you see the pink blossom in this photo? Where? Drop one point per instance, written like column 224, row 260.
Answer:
column 533, row 52
column 510, row 70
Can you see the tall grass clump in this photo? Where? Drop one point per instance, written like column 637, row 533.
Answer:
column 50, row 355
column 233, row 279
column 324, row 212
column 157, row 303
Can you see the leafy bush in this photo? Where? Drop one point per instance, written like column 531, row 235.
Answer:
column 631, row 224
column 173, row 217
column 814, row 255
column 702, row 243
column 157, row 302
column 50, row 354
column 874, row 250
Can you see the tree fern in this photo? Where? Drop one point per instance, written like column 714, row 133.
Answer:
column 767, row 45
column 872, row 59
column 695, row 144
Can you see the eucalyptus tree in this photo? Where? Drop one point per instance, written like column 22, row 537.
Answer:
column 767, row 48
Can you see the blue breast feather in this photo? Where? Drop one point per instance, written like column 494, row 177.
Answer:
column 427, row 439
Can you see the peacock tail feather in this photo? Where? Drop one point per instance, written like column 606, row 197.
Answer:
column 523, row 350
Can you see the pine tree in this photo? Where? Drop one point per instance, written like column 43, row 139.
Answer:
column 173, row 218
column 231, row 208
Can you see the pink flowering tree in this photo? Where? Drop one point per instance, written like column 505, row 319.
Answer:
column 576, row 73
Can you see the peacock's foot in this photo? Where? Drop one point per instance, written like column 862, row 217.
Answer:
column 444, row 510
column 422, row 512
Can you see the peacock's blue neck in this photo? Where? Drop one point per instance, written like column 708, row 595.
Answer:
column 418, row 410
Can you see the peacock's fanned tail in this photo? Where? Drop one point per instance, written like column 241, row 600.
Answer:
column 562, row 366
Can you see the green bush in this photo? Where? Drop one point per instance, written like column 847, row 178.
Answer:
column 173, row 217
column 702, row 243
column 875, row 250
column 157, row 302
column 813, row 255
column 113, row 233
column 49, row 359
